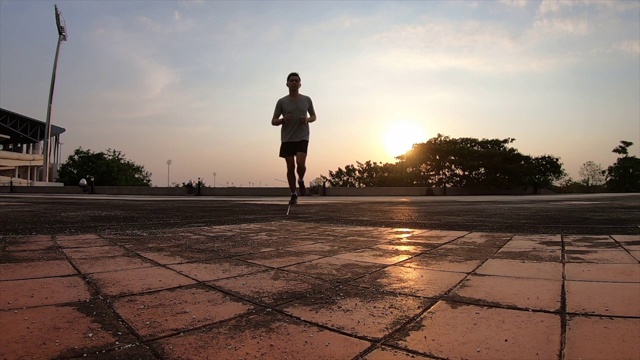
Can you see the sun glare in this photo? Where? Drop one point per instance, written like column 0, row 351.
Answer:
column 400, row 137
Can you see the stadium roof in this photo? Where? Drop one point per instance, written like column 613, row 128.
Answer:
column 20, row 129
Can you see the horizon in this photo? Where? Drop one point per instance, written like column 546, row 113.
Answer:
column 196, row 82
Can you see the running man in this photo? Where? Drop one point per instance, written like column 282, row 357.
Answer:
column 291, row 112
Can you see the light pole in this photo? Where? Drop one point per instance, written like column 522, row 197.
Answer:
column 168, row 168
column 214, row 179
column 62, row 36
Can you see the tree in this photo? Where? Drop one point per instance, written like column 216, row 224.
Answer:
column 464, row 162
column 591, row 174
column 542, row 171
column 624, row 174
column 468, row 162
column 367, row 174
column 109, row 168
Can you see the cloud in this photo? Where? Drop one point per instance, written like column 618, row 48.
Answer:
column 553, row 6
column 576, row 26
column 629, row 46
column 515, row 3
column 441, row 45
column 129, row 78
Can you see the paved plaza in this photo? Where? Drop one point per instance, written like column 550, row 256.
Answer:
column 554, row 277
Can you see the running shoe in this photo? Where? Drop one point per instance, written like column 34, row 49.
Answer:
column 294, row 199
column 303, row 189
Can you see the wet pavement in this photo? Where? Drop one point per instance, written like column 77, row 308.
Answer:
column 340, row 278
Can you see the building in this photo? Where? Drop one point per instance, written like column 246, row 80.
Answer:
column 22, row 148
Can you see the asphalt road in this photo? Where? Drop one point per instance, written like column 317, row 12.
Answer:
column 22, row 214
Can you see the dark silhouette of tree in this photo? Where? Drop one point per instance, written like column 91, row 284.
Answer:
column 468, row 162
column 624, row 174
column 591, row 174
column 109, row 168
column 443, row 161
column 542, row 171
column 364, row 174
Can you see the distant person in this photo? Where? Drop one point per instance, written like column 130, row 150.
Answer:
column 291, row 112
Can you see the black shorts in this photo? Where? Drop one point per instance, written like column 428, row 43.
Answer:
column 292, row 148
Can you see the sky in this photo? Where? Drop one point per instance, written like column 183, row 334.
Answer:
column 196, row 82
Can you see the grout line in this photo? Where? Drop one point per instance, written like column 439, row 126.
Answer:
column 563, row 303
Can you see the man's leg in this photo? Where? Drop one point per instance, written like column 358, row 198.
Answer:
column 291, row 173
column 301, row 159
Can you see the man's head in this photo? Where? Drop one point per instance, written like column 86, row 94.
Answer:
column 293, row 82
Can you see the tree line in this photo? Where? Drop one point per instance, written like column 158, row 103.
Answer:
column 441, row 161
column 444, row 162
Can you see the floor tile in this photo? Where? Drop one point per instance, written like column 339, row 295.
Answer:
column 31, row 245
column 407, row 247
column 387, row 353
column 261, row 336
column 333, row 268
column 600, row 256
column 52, row 332
column 534, row 242
column 627, row 239
column 138, row 280
column 439, row 236
column 384, row 257
column 603, row 298
column 108, row 264
column 589, row 242
column 74, row 241
column 505, row 291
column 176, row 310
column 535, row 255
column 48, row 254
column 36, row 269
column 464, row 252
column 95, row 252
column 446, row 263
column 483, row 239
column 162, row 257
column 38, row 292
column 412, row 281
column 472, row 332
column 217, row 269
column 322, row 249
column 603, row 272
column 522, row 269
column 359, row 312
column 270, row 287
column 278, row 258
column 595, row 338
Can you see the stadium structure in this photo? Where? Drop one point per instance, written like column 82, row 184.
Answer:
column 22, row 148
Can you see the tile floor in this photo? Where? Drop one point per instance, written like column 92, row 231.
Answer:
column 314, row 291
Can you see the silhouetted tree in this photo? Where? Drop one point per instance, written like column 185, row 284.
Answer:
column 624, row 174
column 445, row 162
column 109, row 168
column 468, row 162
column 591, row 174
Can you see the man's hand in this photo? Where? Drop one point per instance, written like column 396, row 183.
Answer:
column 304, row 120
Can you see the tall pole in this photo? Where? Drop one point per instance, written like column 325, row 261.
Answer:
column 214, row 179
column 168, row 167
column 62, row 36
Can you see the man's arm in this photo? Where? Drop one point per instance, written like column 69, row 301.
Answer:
column 311, row 118
column 312, row 112
column 276, row 120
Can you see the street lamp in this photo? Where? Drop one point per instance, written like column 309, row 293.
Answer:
column 214, row 179
column 168, row 167
column 62, row 36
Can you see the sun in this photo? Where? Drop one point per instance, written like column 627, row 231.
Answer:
column 400, row 136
